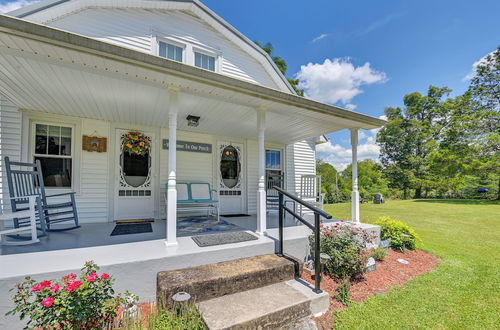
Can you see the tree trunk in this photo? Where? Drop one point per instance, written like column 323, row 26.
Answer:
column 418, row 192
column 498, row 197
column 405, row 194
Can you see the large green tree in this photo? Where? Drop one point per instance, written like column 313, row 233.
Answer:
column 371, row 180
column 282, row 66
column 409, row 137
column 484, row 126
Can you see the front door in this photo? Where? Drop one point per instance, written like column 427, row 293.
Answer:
column 231, row 178
column 134, row 193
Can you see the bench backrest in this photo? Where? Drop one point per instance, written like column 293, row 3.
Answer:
column 193, row 192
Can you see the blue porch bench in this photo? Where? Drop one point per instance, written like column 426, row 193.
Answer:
column 196, row 196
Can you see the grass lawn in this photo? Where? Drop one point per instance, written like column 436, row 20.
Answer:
column 463, row 292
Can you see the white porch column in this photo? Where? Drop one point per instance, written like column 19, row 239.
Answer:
column 355, row 192
column 172, row 168
column 261, row 191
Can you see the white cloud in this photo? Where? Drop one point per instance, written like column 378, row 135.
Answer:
column 320, row 37
column 13, row 5
column 351, row 106
column 336, row 80
column 472, row 72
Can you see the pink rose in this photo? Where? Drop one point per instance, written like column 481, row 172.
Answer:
column 104, row 276
column 92, row 277
column 46, row 284
column 37, row 287
column 55, row 288
column 47, row 302
column 69, row 277
column 72, row 286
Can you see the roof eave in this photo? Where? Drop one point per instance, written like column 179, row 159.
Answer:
column 70, row 40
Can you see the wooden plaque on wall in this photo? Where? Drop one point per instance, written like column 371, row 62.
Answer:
column 94, row 143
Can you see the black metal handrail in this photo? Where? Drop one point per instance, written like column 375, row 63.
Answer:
column 315, row 228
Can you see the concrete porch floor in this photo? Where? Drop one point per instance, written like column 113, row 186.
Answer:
column 98, row 234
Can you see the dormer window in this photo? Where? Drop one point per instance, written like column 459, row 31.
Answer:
column 204, row 61
column 172, row 52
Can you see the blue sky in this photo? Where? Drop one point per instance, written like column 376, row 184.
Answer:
column 376, row 51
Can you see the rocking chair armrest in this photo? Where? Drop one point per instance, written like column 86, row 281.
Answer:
column 61, row 194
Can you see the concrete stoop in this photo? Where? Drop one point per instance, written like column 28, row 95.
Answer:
column 285, row 305
column 261, row 292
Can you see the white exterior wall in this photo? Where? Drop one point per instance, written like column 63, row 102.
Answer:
column 10, row 144
column 300, row 160
column 136, row 29
column 92, row 188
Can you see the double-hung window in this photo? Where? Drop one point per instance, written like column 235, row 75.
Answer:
column 204, row 61
column 53, row 147
column 172, row 52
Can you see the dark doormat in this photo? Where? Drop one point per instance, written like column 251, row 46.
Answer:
column 235, row 215
column 129, row 221
column 224, row 238
column 133, row 228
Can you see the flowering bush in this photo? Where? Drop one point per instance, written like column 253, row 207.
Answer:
column 72, row 302
column 346, row 247
column 136, row 143
column 393, row 229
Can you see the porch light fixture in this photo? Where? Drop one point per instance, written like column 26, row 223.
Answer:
column 193, row 121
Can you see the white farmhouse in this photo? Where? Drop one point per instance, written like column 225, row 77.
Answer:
column 81, row 79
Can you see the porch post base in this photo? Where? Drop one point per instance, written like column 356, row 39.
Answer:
column 171, row 216
column 355, row 206
column 261, row 212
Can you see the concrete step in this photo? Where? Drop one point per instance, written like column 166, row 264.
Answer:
column 285, row 305
column 216, row 280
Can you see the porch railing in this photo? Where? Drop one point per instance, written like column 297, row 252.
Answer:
column 315, row 228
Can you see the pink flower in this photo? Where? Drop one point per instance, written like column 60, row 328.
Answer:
column 37, row 287
column 92, row 277
column 46, row 284
column 104, row 276
column 55, row 288
column 47, row 302
column 72, row 286
column 69, row 277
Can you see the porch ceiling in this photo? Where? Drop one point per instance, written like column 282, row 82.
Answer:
column 48, row 70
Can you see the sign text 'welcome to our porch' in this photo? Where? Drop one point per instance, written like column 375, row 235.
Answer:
column 190, row 146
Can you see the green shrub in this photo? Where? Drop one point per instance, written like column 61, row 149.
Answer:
column 71, row 302
column 343, row 291
column 176, row 319
column 345, row 245
column 379, row 254
column 393, row 229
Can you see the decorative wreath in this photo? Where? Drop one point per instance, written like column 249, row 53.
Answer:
column 136, row 143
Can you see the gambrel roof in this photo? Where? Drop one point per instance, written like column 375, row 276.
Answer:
column 46, row 11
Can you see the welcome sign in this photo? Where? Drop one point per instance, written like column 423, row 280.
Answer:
column 190, row 146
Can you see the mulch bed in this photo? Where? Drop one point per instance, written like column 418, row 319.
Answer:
column 389, row 273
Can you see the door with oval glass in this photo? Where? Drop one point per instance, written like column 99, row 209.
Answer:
column 134, row 184
column 231, row 178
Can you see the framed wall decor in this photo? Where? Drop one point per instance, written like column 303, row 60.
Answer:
column 94, row 143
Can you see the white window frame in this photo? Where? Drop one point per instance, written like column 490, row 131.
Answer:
column 33, row 154
column 172, row 42
column 281, row 159
column 30, row 119
column 206, row 52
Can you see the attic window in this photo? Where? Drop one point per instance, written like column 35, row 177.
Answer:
column 170, row 51
column 204, row 61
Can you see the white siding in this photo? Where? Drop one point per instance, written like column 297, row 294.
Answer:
column 135, row 28
column 191, row 166
column 92, row 201
column 252, row 175
column 300, row 160
column 10, row 144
